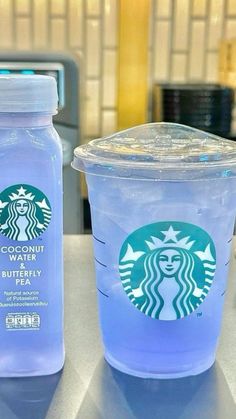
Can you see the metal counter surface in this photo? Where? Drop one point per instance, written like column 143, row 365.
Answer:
column 88, row 388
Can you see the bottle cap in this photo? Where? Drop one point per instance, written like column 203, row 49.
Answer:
column 28, row 93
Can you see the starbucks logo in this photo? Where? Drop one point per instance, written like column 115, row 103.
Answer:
column 167, row 268
column 25, row 212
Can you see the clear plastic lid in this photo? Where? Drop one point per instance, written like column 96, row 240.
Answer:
column 28, row 93
column 159, row 150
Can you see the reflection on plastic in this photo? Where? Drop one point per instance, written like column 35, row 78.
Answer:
column 27, row 398
column 118, row 395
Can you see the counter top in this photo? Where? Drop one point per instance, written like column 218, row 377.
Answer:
column 88, row 388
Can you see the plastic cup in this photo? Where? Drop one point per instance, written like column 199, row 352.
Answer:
column 163, row 199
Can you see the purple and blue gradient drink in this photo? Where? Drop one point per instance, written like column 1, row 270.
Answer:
column 31, row 281
column 163, row 201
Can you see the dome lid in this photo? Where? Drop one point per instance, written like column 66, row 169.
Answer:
column 156, row 147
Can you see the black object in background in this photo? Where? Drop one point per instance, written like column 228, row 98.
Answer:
column 87, row 217
column 204, row 106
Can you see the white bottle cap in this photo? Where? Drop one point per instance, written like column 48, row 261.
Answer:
column 28, row 93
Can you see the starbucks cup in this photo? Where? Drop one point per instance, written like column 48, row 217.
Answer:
column 163, row 199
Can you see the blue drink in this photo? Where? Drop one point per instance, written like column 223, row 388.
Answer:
column 31, row 283
column 163, row 201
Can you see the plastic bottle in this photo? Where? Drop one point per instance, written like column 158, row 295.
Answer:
column 31, row 274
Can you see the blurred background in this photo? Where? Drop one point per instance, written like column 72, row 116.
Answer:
column 120, row 63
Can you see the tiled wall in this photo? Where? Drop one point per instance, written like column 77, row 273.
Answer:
column 184, row 36
column 86, row 28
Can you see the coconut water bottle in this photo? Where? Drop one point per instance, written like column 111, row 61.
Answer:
column 31, row 288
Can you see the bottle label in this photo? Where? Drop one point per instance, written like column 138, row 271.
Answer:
column 25, row 214
column 167, row 268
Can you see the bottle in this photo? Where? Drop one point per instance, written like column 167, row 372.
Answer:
column 31, row 274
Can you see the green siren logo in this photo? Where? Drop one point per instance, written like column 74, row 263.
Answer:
column 167, row 268
column 25, row 212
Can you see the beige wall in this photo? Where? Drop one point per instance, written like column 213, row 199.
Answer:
column 184, row 37
column 187, row 33
column 88, row 29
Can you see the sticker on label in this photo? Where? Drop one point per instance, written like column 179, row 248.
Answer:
column 167, row 268
column 25, row 212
